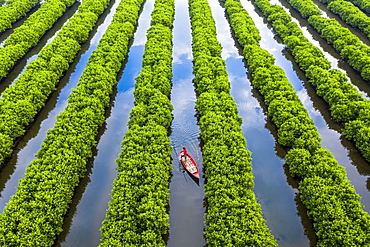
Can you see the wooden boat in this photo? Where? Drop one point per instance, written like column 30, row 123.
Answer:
column 189, row 164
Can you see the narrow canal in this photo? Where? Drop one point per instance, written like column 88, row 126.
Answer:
column 32, row 54
column 186, row 195
column 276, row 196
column 28, row 146
column 358, row 170
column 4, row 35
column 328, row 14
column 332, row 55
column 89, row 205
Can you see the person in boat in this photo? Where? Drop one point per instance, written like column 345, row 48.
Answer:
column 185, row 156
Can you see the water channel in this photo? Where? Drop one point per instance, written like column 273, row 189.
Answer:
column 186, row 195
column 358, row 170
column 329, row 52
column 28, row 146
column 275, row 188
column 5, row 34
column 32, row 54
column 89, row 205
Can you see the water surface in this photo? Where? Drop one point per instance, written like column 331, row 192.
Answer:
column 29, row 145
column 329, row 52
column 186, row 207
column 20, row 66
column 90, row 202
column 276, row 196
column 357, row 168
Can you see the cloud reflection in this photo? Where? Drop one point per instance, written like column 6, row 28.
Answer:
column 248, row 106
column 103, row 26
column 308, row 104
column 181, row 52
column 223, row 31
column 143, row 24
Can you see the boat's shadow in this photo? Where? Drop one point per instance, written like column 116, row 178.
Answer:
column 196, row 180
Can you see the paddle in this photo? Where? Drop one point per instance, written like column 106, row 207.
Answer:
column 179, row 145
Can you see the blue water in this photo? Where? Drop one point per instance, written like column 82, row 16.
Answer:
column 330, row 54
column 12, row 173
column 358, row 170
column 276, row 196
column 186, row 194
column 32, row 54
column 91, row 202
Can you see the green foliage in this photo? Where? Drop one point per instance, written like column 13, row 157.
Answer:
column 263, row 58
column 234, row 217
column 208, row 70
column 151, row 106
column 137, row 214
column 34, row 216
column 364, row 5
column 13, row 11
column 5, row 146
column 137, row 211
column 331, row 200
column 80, row 28
column 347, row 44
column 359, row 131
column 341, row 203
column 242, row 23
column 23, row 100
column 352, row 15
column 27, row 36
column 305, row 8
column 346, row 103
